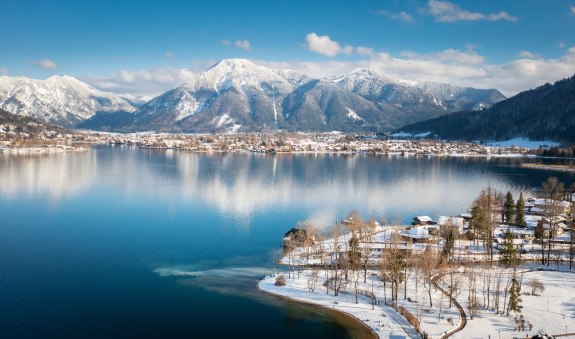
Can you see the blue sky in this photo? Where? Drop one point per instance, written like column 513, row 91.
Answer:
column 146, row 47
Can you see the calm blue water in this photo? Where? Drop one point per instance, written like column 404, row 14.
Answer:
column 129, row 243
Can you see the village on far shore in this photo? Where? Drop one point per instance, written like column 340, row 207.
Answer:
column 17, row 140
column 504, row 268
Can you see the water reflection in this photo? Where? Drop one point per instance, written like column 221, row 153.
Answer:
column 240, row 185
column 57, row 175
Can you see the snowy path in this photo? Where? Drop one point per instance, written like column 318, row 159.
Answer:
column 462, row 315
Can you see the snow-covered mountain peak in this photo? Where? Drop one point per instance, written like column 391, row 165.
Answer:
column 62, row 100
column 237, row 73
column 364, row 73
column 232, row 64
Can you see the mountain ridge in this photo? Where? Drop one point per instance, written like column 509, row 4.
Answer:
column 239, row 95
column 236, row 94
column 543, row 113
column 61, row 100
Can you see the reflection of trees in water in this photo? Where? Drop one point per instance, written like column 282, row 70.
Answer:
column 241, row 184
column 58, row 175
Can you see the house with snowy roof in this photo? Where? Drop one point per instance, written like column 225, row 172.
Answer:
column 423, row 220
column 541, row 205
column 455, row 222
column 417, row 234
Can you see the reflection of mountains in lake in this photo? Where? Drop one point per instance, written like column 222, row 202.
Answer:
column 241, row 184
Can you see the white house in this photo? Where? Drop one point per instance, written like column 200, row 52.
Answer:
column 455, row 222
column 540, row 205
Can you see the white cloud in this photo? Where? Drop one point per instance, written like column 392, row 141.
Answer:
column 3, row 71
column 45, row 63
column 453, row 66
column 464, row 68
column 145, row 82
column 322, row 44
column 243, row 44
column 528, row 55
column 168, row 55
column 445, row 11
column 365, row 51
column 403, row 16
column 572, row 9
column 449, row 55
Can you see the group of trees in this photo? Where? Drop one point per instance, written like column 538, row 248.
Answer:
column 491, row 208
column 348, row 256
column 514, row 212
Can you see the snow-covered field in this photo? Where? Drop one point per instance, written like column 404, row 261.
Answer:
column 552, row 311
column 383, row 319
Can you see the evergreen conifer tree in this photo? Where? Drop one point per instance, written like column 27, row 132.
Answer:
column 509, row 209
column 520, row 212
column 514, row 296
column 508, row 252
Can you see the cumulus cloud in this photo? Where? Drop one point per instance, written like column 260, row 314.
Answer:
column 324, row 45
column 445, row 11
column 464, row 68
column 243, row 44
column 449, row 55
column 528, row 55
column 365, row 51
column 149, row 83
column 45, row 64
column 402, row 16
column 168, row 55
column 572, row 9
column 453, row 66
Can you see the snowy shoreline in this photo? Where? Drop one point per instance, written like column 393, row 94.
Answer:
column 382, row 320
column 340, row 313
column 548, row 312
column 41, row 149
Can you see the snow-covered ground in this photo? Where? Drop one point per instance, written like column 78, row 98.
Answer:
column 382, row 319
column 552, row 312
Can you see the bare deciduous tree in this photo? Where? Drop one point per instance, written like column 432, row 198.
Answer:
column 553, row 193
column 536, row 286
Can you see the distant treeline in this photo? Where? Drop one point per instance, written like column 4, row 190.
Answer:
column 561, row 152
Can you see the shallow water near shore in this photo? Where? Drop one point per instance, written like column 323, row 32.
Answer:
column 123, row 242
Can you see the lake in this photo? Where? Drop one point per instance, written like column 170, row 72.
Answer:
column 121, row 242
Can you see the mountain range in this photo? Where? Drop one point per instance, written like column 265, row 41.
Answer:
column 60, row 100
column 544, row 113
column 238, row 95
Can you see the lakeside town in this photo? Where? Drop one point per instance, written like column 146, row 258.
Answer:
column 504, row 268
column 14, row 141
